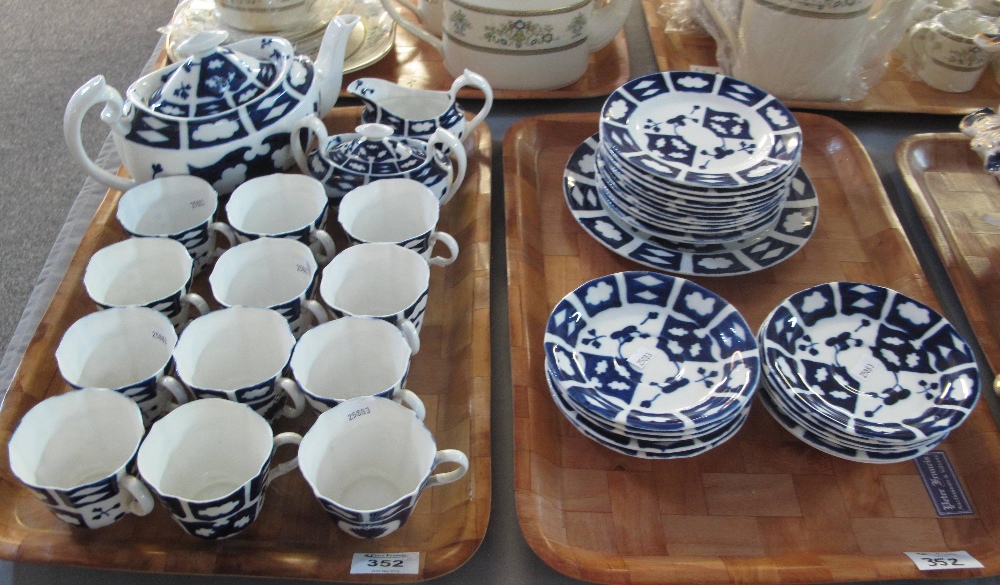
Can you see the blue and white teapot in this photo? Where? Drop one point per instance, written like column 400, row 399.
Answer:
column 224, row 114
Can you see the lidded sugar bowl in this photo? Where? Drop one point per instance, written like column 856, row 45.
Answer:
column 224, row 114
column 346, row 161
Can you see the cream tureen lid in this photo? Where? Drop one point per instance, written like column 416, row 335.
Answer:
column 212, row 79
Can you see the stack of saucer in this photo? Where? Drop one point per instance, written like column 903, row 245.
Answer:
column 651, row 365
column 696, row 158
column 864, row 372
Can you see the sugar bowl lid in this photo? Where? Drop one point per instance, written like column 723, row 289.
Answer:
column 374, row 150
column 212, row 79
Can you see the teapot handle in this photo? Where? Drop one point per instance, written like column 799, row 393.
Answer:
column 471, row 79
column 442, row 137
column 412, row 28
column 94, row 92
column 605, row 23
column 315, row 126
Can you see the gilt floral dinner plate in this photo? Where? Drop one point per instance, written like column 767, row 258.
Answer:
column 700, row 129
column 873, row 361
column 794, row 227
column 641, row 448
column 652, row 352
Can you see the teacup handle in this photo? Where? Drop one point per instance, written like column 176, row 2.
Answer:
column 448, row 456
column 449, row 242
column 328, row 248
column 220, row 227
column 315, row 126
column 196, row 301
column 283, row 468
column 410, row 400
column 443, row 138
column 93, row 93
column 412, row 28
column 471, row 79
column 176, row 389
column 317, row 310
column 298, row 405
column 141, row 501
column 410, row 334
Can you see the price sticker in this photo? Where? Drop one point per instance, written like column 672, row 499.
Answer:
column 936, row 561
column 706, row 69
column 405, row 563
column 641, row 357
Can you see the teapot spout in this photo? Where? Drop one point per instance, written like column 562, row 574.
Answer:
column 330, row 61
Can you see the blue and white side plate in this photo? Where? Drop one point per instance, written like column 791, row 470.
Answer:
column 700, row 129
column 646, row 449
column 795, row 226
column 651, row 352
column 870, row 361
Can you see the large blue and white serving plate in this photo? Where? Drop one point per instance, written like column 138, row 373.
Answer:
column 642, row 448
column 651, row 352
column 870, row 361
column 795, row 226
column 700, row 129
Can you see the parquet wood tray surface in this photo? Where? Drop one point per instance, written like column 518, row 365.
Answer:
column 415, row 64
column 959, row 204
column 293, row 537
column 763, row 507
column 897, row 91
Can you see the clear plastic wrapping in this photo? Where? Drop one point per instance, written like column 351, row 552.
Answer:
column 815, row 50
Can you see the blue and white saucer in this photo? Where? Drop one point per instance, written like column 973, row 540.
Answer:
column 795, row 225
column 862, row 366
column 651, row 352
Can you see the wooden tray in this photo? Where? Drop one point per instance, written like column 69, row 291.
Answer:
column 897, row 91
column 763, row 507
column 959, row 204
column 413, row 63
column 292, row 537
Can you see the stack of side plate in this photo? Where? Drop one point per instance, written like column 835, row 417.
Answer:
column 651, row 365
column 696, row 158
column 864, row 372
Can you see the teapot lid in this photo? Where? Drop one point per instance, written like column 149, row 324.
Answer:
column 374, row 150
column 212, row 79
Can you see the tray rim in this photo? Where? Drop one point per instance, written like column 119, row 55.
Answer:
column 433, row 563
column 585, row 564
column 655, row 27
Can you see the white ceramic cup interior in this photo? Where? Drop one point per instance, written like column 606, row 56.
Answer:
column 351, row 357
column 138, row 271
column 282, row 204
column 209, row 448
column 233, row 348
column 263, row 273
column 368, row 453
column 167, row 206
column 115, row 348
column 396, row 211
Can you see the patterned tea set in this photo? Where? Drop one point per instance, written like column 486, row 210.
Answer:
column 699, row 174
column 173, row 398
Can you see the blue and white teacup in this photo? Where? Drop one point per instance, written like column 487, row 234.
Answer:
column 367, row 461
column 350, row 357
column 125, row 349
column 379, row 280
column 397, row 211
column 76, row 452
column 145, row 272
column 181, row 208
column 270, row 273
column 283, row 206
column 209, row 463
column 240, row 354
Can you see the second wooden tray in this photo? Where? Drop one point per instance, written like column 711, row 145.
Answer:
column 763, row 507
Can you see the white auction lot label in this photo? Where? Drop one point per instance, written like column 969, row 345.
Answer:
column 935, row 561
column 404, row 563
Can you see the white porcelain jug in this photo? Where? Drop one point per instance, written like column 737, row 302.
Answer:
column 521, row 44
